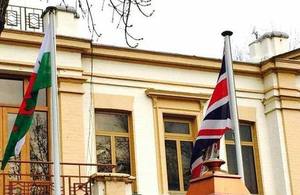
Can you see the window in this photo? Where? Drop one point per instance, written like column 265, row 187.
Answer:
column 249, row 154
column 37, row 139
column 11, row 91
column 113, row 141
column 178, row 147
column 177, row 116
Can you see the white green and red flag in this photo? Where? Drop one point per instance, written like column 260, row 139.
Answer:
column 40, row 78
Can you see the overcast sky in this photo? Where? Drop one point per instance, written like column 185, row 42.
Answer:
column 193, row 27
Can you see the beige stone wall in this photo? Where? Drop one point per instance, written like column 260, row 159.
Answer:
column 277, row 167
column 290, row 103
column 71, row 132
column 292, row 133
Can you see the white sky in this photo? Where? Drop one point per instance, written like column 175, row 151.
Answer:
column 193, row 27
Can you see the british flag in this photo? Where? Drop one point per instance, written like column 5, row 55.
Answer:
column 216, row 121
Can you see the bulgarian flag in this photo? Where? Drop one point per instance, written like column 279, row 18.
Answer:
column 40, row 78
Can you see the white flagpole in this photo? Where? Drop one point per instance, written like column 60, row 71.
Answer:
column 232, row 102
column 54, row 103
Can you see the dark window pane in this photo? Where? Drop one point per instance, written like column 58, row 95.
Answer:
column 186, row 153
column 229, row 135
column 117, row 122
column 248, row 164
column 231, row 159
column 42, row 100
column 245, row 133
column 177, row 127
column 39, row 145
column 11, row 91
column 122, row 155
column 103, row 150
column 249, row 169
column 172, row 165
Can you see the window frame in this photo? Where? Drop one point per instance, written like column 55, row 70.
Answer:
column 178, row 137
column 172, row 103
column 6, row 109
column 113, row 135
column 254, row 145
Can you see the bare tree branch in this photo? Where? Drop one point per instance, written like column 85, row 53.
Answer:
column 123, row 9
column 3, row 7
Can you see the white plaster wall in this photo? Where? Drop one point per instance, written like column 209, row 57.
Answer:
column 66, row 58
column 154, row 72
column 249, row 83
column 24, row 54
column 278, row 180
column 145, row 145
column 70, row 25
column 29, row 55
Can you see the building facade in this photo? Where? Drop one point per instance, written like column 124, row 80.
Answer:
column 140, row 111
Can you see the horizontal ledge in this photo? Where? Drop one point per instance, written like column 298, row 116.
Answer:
column 176, row 95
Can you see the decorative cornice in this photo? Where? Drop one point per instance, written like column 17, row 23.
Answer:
column 281, row 65
column 71, row 79
column 21, row 64
column 282, row 91
column 169, row 59
column 70, row 68
column 34, row 39
column 176, row 95
column 287, row 65
column 16, row 63
column 292, row 55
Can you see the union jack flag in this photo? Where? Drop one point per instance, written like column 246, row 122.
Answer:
column 216, row 121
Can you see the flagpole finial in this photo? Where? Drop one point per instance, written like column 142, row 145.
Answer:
column 226, row 33
column 48, row 9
